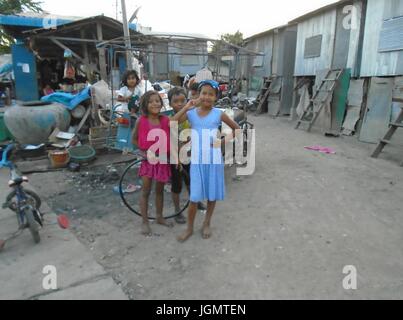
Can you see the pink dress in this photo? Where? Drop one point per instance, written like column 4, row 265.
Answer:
column 160, row 172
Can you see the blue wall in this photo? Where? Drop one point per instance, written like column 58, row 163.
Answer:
column 24, row 67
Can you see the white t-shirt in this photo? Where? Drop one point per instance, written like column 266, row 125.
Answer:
column 126, row 93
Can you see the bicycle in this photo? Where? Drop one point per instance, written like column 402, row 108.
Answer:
column 240, row 109
column 130, row 184
column 25, row 203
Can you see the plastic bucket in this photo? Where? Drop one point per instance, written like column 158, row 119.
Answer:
column 59, row 159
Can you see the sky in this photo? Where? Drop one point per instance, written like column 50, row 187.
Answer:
column 208, row 17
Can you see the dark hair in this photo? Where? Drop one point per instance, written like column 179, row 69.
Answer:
column 177, row 91
column 145, row 100
column 129, row 73
column 194, row 86
column 199, row 89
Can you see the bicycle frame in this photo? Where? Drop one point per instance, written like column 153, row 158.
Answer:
column 21, row 205
column 21, row 196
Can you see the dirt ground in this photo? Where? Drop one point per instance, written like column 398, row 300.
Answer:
column 286, row 232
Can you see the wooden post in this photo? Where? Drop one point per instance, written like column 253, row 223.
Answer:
column 86, row 56
column 102, row 55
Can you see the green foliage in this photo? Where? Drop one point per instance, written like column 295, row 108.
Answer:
column 14, row 7
column 235, row 39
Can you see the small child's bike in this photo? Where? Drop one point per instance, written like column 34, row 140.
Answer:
column 25, row 203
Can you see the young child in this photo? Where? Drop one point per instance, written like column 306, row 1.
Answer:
column 194, row 91
column 156, row 167
column 206, row 172
column 180, row 173
column 47, row 90
column 129, row 90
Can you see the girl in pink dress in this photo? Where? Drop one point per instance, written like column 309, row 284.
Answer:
column 151, row 135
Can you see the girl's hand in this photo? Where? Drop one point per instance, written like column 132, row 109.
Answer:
column 217, row 144
column 192, row 103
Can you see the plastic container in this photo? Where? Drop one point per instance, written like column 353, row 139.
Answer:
column 59, row 159
column 82, row 154
column 33, row 122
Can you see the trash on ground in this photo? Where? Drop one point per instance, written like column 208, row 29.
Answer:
column 321, row 149
column 63, row 221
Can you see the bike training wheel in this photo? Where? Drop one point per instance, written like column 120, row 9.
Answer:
column 33, row 225
column 32, row 199
column 130, row 190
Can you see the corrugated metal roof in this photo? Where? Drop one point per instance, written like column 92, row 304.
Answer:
column 264, row 33
column 319, row 11
column 32, row 20
column 40, row 21
column 72, row 24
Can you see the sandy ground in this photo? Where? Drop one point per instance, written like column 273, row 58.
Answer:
column 284, row 233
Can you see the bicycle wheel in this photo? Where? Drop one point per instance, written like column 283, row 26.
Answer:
column 32, row 199
column 130, row 190
column 32, row 224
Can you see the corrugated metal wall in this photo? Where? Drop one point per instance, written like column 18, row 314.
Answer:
column 176, row 61
column 375, row 63
column 340, row 46
column 263, row 44
column 325, row 25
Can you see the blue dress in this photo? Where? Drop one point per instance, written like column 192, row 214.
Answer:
column 207, row 164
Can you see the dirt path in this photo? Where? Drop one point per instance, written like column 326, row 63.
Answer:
column 284, row 233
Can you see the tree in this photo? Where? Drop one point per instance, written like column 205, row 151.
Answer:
column 235, row 39
column 14, row 7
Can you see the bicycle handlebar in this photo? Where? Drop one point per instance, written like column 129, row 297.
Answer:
column 4, row 162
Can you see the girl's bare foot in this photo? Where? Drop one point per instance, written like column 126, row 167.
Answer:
column 163, row 222
column 185, row 236
column 206, row 232
column 146, row 230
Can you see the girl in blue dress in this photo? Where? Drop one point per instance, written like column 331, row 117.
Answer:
column 207, row 164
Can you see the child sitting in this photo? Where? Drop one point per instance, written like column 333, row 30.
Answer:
column 130, row 91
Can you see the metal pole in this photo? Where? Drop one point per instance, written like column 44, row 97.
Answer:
column 126, row 34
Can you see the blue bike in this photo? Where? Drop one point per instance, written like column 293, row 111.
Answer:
column 25, row 203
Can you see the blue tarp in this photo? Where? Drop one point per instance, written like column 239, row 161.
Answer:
column 69, row 100
column 6, row 69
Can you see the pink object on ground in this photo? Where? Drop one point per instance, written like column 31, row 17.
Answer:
column 321, row 149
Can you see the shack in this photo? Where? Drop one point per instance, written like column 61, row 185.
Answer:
column 382, row 67
column 278, row 46
column 39, row 54
column 328, row 39
column 178, row 56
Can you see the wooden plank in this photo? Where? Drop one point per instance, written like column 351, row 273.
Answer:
column 102, row 55
column 61, row 45
column 388, row 136
column 83, row 120
column 261, row 104
column 69, row 39
column 84, row 47
column 377, row 117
